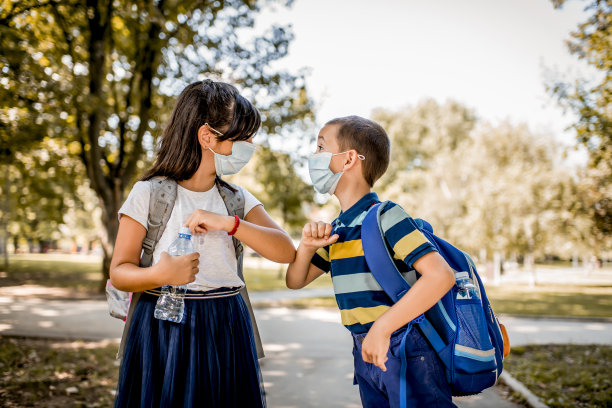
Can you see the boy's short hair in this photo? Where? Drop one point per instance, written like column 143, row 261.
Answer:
column 369, row 139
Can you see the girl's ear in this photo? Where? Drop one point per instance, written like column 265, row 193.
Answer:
column 206, row 138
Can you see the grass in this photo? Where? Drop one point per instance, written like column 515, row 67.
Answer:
column 271, row 279
column 304, row 303
column 565, row 375
column 65, row 271
column 574, row 301
column 55, row 374
column 552, row 300
column 83, row 274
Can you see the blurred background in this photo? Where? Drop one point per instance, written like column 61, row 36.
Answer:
column 499, row 113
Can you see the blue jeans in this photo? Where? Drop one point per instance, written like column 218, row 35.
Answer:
column 426, row 384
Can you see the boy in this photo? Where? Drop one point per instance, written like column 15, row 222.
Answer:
column 352, row 153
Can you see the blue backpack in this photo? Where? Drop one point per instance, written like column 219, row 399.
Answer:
column 465, row 333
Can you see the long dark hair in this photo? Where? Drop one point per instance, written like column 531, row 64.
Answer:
column 216, row 103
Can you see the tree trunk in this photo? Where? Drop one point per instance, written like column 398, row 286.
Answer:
column 497, row 261
column 108, row 235
column 530, row 267
column 109, row 182
column 6, row 217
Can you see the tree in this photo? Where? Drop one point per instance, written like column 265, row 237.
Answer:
column 102, row 74
column 421, row 133
column 488, row 189
column 43, row 193
column 591, row 100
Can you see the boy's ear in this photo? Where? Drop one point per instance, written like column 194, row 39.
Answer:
column 351, row 160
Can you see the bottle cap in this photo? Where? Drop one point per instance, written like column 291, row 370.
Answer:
column 462, row 275
column 184, row 231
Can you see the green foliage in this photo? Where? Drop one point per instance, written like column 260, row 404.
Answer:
column 590, row 99
column 420, row 134
column 100, row 77
column 43, row 193
column 564, row 375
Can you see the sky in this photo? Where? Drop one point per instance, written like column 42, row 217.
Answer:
column 492, row 55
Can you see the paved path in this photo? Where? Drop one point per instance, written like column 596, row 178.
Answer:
column 309, row 362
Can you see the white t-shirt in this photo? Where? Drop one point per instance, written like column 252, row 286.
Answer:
column 217, row 255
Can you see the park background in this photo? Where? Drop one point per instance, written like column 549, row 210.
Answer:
column 499, row 115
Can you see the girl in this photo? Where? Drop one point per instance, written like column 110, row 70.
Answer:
column 209, row 359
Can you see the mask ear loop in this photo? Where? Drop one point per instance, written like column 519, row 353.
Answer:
column 360, row 156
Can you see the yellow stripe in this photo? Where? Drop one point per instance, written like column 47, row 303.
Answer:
column 362, row 315
column 409, row 243
column 348, row 249
column 323, row 254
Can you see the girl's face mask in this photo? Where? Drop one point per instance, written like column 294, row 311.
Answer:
column 323, row 179
column 231, row 164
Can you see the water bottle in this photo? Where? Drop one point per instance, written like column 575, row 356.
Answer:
column 467, row 290
column 171, row 303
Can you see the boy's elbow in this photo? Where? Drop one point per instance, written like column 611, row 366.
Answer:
column 448, row 278
column 292, row 285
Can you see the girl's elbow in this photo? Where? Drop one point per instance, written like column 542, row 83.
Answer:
column 113, row 279
column 287, row 254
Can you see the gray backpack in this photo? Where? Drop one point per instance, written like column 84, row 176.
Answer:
column 163, row 195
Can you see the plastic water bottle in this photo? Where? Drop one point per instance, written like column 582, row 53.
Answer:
column 467, row 290
column 171, row 303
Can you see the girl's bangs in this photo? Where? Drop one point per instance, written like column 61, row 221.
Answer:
column 246, row 121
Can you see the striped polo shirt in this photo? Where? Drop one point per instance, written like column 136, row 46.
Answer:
column 360, row 298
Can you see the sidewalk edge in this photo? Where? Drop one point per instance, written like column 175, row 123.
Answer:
column 517, row 386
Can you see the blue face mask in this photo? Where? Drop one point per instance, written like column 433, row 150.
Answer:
column 233, row 163
column 323, row 179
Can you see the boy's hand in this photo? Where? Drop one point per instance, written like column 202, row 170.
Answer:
column 375, row 348
column 177, row 270
column 316, row 235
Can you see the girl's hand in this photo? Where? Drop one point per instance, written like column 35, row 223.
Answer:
column 200, row 222
column 375, row 348
column 177, row 270
column 316, row 235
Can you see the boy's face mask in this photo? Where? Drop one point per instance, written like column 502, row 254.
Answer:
column 231, row 164
column 323, row 179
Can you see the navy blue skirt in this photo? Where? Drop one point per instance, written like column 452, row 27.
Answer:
column 208, row 360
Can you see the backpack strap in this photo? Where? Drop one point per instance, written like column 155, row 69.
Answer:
column 161, row 203
column 234, row 202
column 386, row 273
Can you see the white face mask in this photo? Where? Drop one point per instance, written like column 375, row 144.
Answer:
column 323, row 179
column 231, row 164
